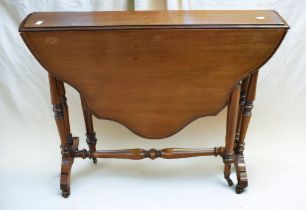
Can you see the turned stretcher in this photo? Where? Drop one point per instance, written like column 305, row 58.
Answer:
column 154, row 72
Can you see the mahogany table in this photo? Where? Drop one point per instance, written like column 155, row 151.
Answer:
column 154, row 72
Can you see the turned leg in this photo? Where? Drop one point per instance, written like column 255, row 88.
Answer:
column 232, row 112
column 90, row 134
column 244, row 89
column 248, row 92
column 60, row 109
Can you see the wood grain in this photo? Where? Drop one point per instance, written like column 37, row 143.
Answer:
column 147, row 19
column 154, row 82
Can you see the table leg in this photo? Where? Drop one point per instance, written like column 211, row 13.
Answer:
column 60, row 109
column 232, row 113
column 90, row 134
column 246, row 104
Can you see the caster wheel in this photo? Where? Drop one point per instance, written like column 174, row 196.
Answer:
column 65, row 194
column 94, row 160
column 228, row 179
column 239, row 189
column 230, row 182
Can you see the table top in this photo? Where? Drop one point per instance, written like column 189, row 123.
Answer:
column 148, row 19
column 153, row 72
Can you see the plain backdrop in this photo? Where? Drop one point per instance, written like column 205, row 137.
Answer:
column 29, row 142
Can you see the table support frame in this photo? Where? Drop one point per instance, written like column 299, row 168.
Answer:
column 239, row 113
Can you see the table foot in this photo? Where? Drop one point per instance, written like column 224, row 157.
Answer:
column 65, row 193
column 239, row 189
column 228, row 179
column 67, row 162
column 65, row 185
column 241, row 173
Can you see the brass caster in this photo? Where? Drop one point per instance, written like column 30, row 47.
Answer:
column 229, row 181
column 239, row 189
column 65, row 194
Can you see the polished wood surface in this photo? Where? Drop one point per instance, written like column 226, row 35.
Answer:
column 158, row 80
column 128, row 19
column 155, row 72
column 168, row 153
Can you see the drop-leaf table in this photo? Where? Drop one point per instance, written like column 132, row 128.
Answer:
column 154, row 72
